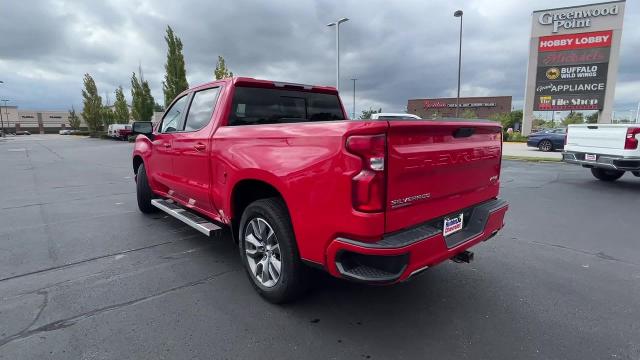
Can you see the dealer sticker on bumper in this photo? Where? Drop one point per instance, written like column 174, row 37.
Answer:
column 452, row 225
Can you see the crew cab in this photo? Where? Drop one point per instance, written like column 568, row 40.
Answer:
column 298, row 185
column 609, row 150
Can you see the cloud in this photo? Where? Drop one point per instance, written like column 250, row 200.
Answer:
column 396, row 50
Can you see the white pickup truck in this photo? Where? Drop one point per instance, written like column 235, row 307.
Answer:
column 609, row 150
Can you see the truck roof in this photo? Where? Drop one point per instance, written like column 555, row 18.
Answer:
column 253, row 82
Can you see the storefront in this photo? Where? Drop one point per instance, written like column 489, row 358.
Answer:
column 477, row 107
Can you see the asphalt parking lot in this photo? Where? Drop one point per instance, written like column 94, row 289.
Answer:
column 84, row 275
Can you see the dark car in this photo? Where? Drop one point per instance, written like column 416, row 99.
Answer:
column 548, row 140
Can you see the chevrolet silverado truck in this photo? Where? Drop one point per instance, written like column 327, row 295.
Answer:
column 609, row 150
column 298, row 185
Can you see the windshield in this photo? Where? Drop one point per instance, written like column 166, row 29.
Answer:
column 253, row 106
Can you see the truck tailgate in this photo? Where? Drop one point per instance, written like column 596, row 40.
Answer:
column 597, row 137
column 438, row 168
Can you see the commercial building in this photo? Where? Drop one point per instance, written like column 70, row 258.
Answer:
column 482, row 107
column 42, row 121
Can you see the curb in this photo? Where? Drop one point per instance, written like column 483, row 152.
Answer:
column 530, row 158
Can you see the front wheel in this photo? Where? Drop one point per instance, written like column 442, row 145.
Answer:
column 606, row 174
column 545, row 145
column 269, row 252
column 144, row 192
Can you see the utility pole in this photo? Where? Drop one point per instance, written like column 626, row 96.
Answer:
column 354, row 98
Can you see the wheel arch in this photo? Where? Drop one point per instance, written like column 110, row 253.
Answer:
column 137, row 161
column 245, row 192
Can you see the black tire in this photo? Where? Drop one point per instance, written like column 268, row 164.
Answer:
column 143, row 192
column 545, row 145
column 293, row 273
column 606, row 174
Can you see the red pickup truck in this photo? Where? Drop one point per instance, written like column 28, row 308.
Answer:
column 297, row 184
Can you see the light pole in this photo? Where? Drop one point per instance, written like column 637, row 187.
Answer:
column 6, row 112
column 354, row 98
column 637, row 112
column 458, row 13
column 337, row 25
column 1, row 120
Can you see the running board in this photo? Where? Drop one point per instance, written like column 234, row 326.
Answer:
column 195, row 221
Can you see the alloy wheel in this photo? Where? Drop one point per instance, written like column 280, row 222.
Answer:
column 546, row 145
column 263, row 252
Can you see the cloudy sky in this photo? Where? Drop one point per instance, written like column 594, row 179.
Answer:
column 397, row 49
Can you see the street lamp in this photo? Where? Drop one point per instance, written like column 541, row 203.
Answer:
column 337, row 25
column 458, row 13
column 637, row 112
column 354, row 98
column 1, row 120
column 6, row 112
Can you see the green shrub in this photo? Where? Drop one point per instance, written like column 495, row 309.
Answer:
column 515, row 137
column 98, row 135
column 80, row 133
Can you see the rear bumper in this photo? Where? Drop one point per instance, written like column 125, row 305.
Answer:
column 602, row 161
column 400, row 255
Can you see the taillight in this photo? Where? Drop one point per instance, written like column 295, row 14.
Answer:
column 631, row 143
column 565, row 137
column 368, row 186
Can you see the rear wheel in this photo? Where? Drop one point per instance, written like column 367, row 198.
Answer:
column 143, row 192
column 606, row 174
column 545, row 145
column 269, row 252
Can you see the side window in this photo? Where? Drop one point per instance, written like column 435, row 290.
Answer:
column 201, row 109
column 172, row 120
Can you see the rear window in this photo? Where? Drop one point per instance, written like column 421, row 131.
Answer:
column 253, row 106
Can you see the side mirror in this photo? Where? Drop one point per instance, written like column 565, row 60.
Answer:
column 143, row 128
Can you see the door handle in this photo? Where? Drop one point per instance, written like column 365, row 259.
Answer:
column 199, row 146
column 167, row 145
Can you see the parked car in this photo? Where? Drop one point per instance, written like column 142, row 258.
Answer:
column 65, row 132
column 279, row 167
column 22, row 133
column 388, row 116
column 548, row 140
column 609, row 150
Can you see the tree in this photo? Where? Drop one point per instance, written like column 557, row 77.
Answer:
column 141, row 100
column 508, row 120
column 469, row 114
column 366, row 114
column 221, row 71
column 573, row 118
column 121, row 109
column 74, row 120
column 175, row 78
column 591, row 118
column 108, row 117
column 538, row 123
column 158, row 108
column 92, row 104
